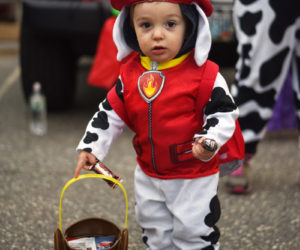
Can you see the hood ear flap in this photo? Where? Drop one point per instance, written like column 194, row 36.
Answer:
column 118, row 35
column 203, row 41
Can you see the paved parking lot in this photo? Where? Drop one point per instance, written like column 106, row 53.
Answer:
column 33, row 170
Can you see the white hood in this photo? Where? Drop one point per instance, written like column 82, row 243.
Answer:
column 203, row 41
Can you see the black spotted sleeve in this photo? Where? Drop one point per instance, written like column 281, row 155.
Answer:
column 220, row 114
column 104, row 127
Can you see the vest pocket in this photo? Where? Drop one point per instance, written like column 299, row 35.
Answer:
column 137, row 146
column 180, row 153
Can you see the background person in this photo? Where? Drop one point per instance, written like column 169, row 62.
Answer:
column 268, row 34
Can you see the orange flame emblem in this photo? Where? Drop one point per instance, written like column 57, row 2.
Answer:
column 150, row 86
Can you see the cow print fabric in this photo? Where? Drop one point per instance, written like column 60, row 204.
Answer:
column 90, row 137
column 211, row 219
column 99, row 134
column 249, row 21
column 268, row 46
column 100, row 121
column 219, row 102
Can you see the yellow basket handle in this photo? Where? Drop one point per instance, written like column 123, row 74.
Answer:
column 99, row 176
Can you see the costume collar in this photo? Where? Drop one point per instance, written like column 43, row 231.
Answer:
column 146, row 62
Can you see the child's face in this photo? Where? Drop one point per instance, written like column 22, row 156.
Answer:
column 159, row 28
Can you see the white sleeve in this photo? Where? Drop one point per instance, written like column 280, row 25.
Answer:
column 220, row 114
column 104, row 127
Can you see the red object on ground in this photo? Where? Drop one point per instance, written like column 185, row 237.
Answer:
column 105, row 68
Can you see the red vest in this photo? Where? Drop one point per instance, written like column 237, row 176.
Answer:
column 165, row 127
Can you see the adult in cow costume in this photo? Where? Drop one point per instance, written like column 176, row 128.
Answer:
column 268, row 33
column 183, row 116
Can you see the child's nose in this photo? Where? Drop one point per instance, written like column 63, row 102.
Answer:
column 157, row 33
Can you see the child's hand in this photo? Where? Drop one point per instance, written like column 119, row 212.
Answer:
column 84, row 160
column 199, row 152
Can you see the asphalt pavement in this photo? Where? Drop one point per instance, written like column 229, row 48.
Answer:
column 34, row 169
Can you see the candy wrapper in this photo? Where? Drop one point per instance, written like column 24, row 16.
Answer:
column 92, row 243
column 208, row 144
column 100, row 168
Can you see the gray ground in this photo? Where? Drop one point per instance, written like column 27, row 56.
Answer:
column 33, row 170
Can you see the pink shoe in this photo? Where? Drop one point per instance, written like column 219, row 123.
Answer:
column 238, row 181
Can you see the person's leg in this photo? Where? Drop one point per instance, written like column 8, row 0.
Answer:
column 265, row 47
column 296, row 78
column 152, row 214
column 196, row 209
column 296, row 88
column 284, row 113
column 178, row 214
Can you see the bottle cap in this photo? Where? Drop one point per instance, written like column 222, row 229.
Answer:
column 36, row 86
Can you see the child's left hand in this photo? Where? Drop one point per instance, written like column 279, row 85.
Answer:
column 199, row 151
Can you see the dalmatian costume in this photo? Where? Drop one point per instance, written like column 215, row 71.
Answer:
column 268, row 32
column 176, row 195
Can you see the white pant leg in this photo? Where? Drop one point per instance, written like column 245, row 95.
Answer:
column 179, row 213
column 151, row 213
column 196, row 209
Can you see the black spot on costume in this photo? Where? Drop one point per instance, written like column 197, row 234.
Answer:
column 100, row 121
column 90, row 137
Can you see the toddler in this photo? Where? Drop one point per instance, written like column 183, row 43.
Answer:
column 173, row 99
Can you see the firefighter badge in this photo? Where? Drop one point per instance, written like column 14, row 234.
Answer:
column 150, row 84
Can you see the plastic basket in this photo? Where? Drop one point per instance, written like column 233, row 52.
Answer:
column 94, row 226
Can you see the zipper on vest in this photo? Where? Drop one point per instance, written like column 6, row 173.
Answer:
column 150, row 138
column 153, row 66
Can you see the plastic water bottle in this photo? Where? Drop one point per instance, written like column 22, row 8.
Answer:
column 38, row 110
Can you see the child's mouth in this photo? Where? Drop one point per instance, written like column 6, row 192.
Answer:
column 158, row 50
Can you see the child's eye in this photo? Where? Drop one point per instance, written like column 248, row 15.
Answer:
column 171, row 24
column 145, row 25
